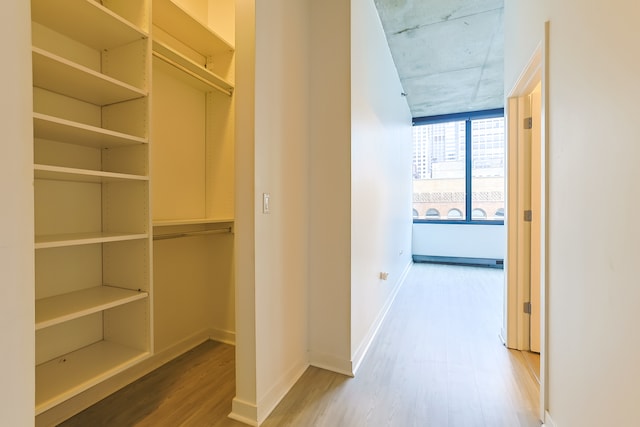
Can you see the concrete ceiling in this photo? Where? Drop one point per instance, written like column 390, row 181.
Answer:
column 449, row 53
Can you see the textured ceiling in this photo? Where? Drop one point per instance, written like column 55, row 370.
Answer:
column 449, row 53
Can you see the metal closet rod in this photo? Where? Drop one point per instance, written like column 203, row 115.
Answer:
column 191, row 73
column 192, row 233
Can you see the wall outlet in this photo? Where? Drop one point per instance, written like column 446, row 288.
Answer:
column 384, row 275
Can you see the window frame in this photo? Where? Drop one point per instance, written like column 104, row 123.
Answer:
column 467, row 118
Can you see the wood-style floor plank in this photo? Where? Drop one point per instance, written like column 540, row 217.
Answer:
column 533, row 362
column 196, row 386
column 437, row 361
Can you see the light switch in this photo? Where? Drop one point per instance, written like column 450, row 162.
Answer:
column 265, row 203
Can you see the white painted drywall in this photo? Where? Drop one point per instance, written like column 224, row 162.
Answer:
column 330, row 186
column 17, row 353
column 523, row 28
column 381, row 151
column 245, row 401
column 593, row 152
column 457, row 240
column 281, row 169
column 294, row 142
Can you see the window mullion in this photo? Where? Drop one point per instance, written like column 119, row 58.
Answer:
column 467, row 174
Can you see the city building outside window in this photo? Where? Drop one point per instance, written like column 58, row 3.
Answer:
column 478, row 214
column 432, row 214
column 454, row 214
column 459, row 167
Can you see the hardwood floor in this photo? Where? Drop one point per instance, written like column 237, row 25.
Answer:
column 533, row 363
column 192, row 390
column 437, row 361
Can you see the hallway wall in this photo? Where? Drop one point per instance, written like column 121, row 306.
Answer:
column 381, row 195
column 281, row 169
column 272, row 157
column 244, row 403
column 295, row 138
column 592, row 155
column 330, row 186
column 360, row 181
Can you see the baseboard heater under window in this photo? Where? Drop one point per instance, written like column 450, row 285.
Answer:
column 477, row 262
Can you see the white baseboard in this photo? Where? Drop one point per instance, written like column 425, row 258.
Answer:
column 358, row 357
column 548, row 422
column 244, row 412
column 253, row 415
column 276, row 393
column 331, row 363
column 220, row 335
column 349, row 367
column 503, row 336
column 178, row 348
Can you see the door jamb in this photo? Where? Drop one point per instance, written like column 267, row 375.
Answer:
column 514, row 332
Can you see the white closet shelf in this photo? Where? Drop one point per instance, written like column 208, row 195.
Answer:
column 61, row 308
column 59, row 173
column 196, row 221
column 76, row 239
column 86, row 21
column 188, row 29
column 62, row 130
column 69, row 375
column 197, row 71
column 59, row 75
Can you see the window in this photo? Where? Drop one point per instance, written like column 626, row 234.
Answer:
column 458, row 167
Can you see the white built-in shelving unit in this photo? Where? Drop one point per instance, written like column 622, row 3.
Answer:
column 52, row 128
column 175, row 222
column 192, row 170
column 188, row 29
column 61, row 308
column 192, row 156
column 76, row 81
column 133, row 119
column 91, row 73
column 191, row 45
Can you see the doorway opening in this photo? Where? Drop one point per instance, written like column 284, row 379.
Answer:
column 525, row 265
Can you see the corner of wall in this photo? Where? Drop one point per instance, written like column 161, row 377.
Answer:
column 275, row 394
column 331, row 363
column 244, row 403
column 548, row 422
column 244, row 412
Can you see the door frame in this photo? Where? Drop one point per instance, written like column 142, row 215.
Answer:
column 516, row 323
